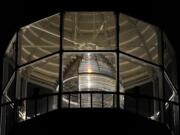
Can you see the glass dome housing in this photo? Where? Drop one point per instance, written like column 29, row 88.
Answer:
column 80, row 60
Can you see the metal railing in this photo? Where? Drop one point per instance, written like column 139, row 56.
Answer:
column 27, row 108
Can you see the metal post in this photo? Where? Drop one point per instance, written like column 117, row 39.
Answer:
column 16, row 69
column 1, row 114
column 60, row 61
column 91, row 100
column 117, row 58
column 102, row 100
column 35, row 106
column 69, row 103
column 137, row 98
column 163, row 76
column 80, row 100
column 47, row 103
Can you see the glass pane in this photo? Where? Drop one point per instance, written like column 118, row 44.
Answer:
column 39, row 78
column 108, row 100
column 97, row 100
column 89, row 72
column 139, row 39
column 139, row 78
column 86, row 100
column 9, row 61
column 89, row 31
column 52, row 102
column 41, row 105
column 66, row 101
column 170, row 62
column 39, row 39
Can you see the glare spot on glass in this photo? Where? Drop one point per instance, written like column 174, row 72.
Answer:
column 89, row 84
column 88, row 81
column 88, row 54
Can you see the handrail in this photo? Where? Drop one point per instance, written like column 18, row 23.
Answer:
column 155, row 116
column 90, row 92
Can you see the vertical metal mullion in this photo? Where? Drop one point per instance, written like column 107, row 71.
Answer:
column 69, row 102
column 137, row 105
column 149, row 107
column 163, row 76
column 91, row 99
column 117, row 59
column 47, row 104
column 60, row 60
column 159, row 75
column 160, row 108
column 18, row 60
column 1, row 88
column 80, row 100
column 15, row 79
column 26, row 109
column 113, row 101
column 102, row 100
column 169, row 117
column 35, row 106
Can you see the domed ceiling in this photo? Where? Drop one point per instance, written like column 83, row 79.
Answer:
column 88, row 31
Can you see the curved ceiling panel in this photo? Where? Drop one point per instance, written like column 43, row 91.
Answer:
column 89, row 31
column 139, row 39
column 39, row 39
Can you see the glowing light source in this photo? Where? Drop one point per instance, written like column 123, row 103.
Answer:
column 89, row 70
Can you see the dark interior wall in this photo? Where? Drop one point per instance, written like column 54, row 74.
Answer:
column 41, row 102
column 143, row 106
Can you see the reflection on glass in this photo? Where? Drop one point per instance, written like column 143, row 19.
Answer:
column 38, row 78
column 9, row 61
column 89, row 31
column 139, row 39
column 140, row 78
column 171, row 84
column 170, row 63
column 89, row 72
column 39, row 39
